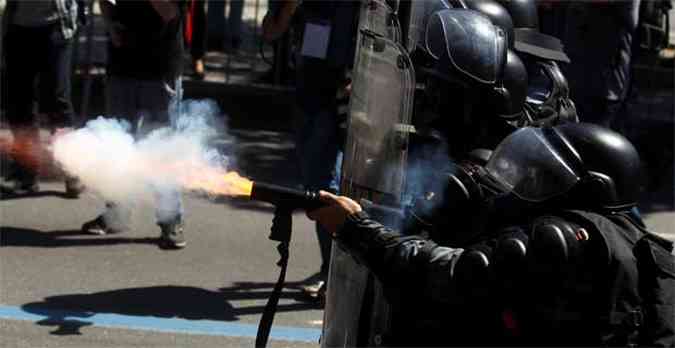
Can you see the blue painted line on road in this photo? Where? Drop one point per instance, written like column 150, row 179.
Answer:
column 173, row 325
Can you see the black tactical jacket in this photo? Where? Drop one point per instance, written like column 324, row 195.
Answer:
column 616, row 289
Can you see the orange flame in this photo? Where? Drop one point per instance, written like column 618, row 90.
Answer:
column 218, row 182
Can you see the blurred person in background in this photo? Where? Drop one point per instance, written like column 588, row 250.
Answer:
column 195, row 35
column 278, row 19
column 144, row 69
column 325, row 53
column 226, row 29
column 38, row 43
column 276, row 30
column 598, row 37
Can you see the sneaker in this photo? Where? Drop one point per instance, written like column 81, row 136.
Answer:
column 73, row 187
column 316, row 291
column 198, row 69
column 98, row 227
column 26, row 186
column 172, row 236
column 24, row 180
column 314, row 287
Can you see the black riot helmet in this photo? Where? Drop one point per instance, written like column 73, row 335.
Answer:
column 497, row 14
column 523, row 13
column 481, row 83
column 515, row 82
column 466, row 46
column 576, row 165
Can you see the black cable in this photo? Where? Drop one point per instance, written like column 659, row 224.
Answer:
column 282, row 225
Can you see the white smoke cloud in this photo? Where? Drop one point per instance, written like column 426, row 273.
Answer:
column 120, row 167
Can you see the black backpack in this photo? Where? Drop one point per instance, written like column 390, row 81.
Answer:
column 652, row 321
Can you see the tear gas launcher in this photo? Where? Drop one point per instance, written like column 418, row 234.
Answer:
column 284, row 197
column 285, row 200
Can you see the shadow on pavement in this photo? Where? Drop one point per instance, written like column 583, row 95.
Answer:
column 69, row 313
column 7, row 194
column 243, row 204
column 22, row 237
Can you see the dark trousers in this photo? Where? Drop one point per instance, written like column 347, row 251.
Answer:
column 42, row 53
column 35, row 53
column 603, row 112
column 317, row 134
column 198, row 43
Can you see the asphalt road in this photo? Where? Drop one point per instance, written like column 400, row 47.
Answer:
column 60, row 288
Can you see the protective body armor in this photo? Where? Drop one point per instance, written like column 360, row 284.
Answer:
column 572, row 278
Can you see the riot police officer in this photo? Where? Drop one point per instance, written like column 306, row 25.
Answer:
column 557, row 260
column 461, row 257
column 473, row 87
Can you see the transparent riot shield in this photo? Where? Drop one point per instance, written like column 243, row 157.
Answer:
column 378, row 17
column 418, row 15
column 380, row 107
column 373, row 168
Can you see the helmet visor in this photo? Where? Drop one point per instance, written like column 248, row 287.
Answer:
column 540, row 86
column 473, row 44
column 531, row 167
column 420, row 12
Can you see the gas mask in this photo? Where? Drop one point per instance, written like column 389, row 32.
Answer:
column 452, row 206
column 548, row 101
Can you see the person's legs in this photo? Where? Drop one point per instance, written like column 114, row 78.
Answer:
column 156, row 97
column 169, row 215
column 20, row 70
column 319, row 159
column 55, row 91
column 234, row 20
column 55, row 84
column 121, row 99
column 317, row 142
column 121, row 104
column 324, row 174
column 216, row 23
column 199, row 37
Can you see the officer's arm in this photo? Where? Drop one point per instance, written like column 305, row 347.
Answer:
column 399, row 262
